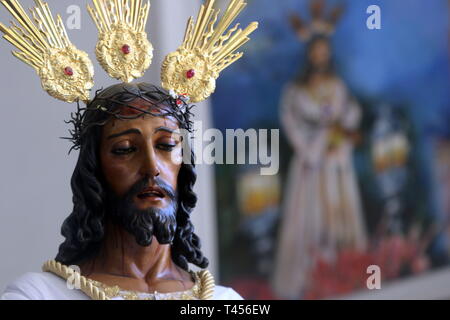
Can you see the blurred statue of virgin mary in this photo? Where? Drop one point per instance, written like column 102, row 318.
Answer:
column 321, row 209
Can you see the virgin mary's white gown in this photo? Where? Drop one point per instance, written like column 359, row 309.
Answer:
column 321, row 208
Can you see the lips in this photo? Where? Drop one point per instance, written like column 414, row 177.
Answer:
column 151, row 192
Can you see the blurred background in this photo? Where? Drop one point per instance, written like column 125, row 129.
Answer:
column 364, row 113
column 362, row 102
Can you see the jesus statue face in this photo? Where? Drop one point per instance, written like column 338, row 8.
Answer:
column 140, row 160
column 130, row 176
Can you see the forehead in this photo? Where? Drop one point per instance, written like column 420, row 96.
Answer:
column 135, row 114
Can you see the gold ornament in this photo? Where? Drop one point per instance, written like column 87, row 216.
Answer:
column 123, row 49
column 206, row 50
column 66, row 73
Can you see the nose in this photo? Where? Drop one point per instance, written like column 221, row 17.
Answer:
column 150, row 163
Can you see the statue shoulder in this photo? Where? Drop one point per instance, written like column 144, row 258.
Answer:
column 27, row 287
column 39, row 286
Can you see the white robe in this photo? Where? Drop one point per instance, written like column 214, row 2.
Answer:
column 48, row 286
column 321, row 209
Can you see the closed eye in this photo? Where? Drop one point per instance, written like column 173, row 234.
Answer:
column 166, row 147
column 123, row 151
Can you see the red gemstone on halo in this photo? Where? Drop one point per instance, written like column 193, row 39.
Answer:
column 190, row 74
column 126, row 49
column 68, row 71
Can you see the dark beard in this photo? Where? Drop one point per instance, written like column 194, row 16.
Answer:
column 144, row 224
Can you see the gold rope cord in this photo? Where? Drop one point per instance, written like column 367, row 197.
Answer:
column 203, row 288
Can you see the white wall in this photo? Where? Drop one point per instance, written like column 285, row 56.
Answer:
column 35, row 170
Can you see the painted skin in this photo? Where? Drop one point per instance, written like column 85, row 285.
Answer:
column 129, row 151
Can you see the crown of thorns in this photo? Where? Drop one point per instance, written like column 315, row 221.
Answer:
column 162, row 104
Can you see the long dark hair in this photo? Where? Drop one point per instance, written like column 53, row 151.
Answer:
column 84, row 228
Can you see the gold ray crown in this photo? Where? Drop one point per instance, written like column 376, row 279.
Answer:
column 123, row 49
column 66, row 73
column 206, row 50
column 322, row 22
